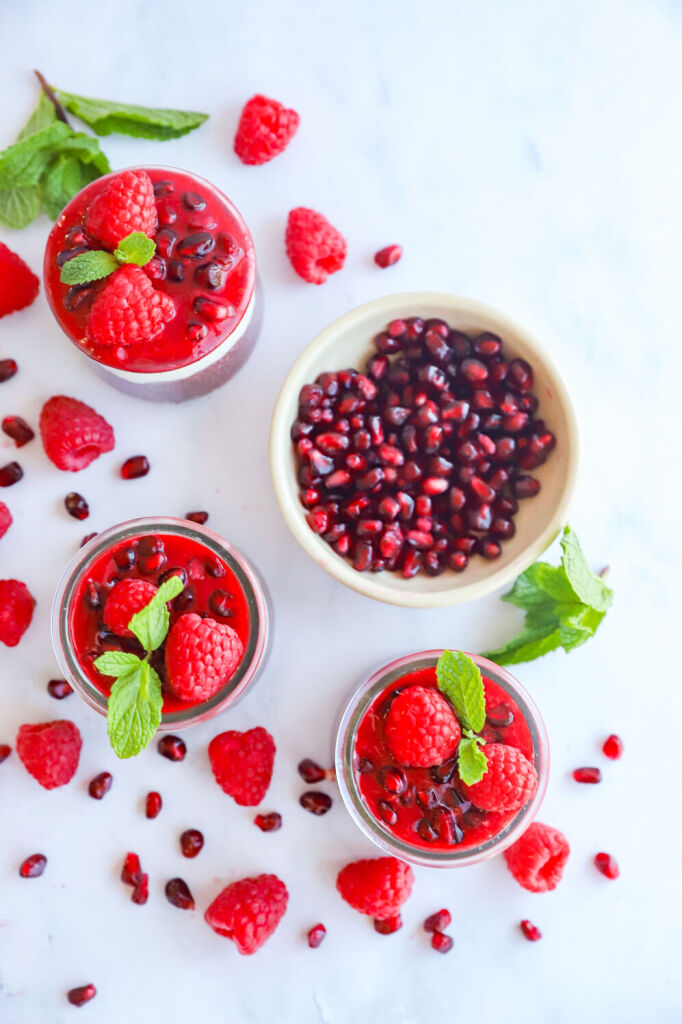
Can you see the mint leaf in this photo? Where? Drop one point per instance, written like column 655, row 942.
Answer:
column 25, row 162
column 84, row 148
column 136, row 248
column 150, row 624
column 472, row 763
column 116, row 663
column 66, row 176
column 105, row 117
column 43, row 115
column 532, row 588
column 19, row 206
column 88, row 266
column 588, row 587
column 135, row 706
column 460, row 680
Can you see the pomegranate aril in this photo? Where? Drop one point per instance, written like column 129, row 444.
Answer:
column 482, row 491
column 607, row 864
column 525, row 486
column 440, row 942
column 268, row 822
column 131, row 870
column 191, row 842
column 520, row 375
column 8, row 368
column 316, row 936
column 388, row 925
column 100, row 785
column 10, row 474
column 134, row 467
column 426, row 831
column 480, row 518
column 150, row 545
column 589, row 775
column 76, row 505
column 212, row 310
column 140, row 893
column 438, row 922
column 59, row 689
column 33, row 866
column 5, row 751
column 82, row 994
column 392, row 779
column 214, row 567
column 316, row 802
column 387, row 256
column 18, row 429
column 516, row 423
column 530, row 931
column 177, row 893
column 487, row 345
column 387, row 812
column 311, row 772
column 153, row 804
column 172, row 747
column 152, row 564
column 338, row 481
column 489, row 548
column 613, row 747
column 499, row 716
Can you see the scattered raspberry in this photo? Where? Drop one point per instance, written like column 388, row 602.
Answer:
column 242, row 763
column 125, row 205
column 50, row 751
column 18, row 284
column 16, row 611
column 201, row 655
column 421, row 728
column 377, row 887
column 537, row 859
column 5, row 519
column 509, row 782
column 265, row 129
column 73, row 434
column 249, row 911
column 315, row 248
column 128, row 310
column 126, row 599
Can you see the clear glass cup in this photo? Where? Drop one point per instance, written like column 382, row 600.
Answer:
column 389, row 675
column 256, row 647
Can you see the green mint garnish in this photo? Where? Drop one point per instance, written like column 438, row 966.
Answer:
column 563, row 605
column 105, row 117
column 136, row 701
column 93, row 266
column 136, row 248
column 459, row 679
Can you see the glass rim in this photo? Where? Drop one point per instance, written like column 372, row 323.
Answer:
column 372, row 827
column 77, row 568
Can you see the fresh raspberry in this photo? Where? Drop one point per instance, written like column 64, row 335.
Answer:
column 128, row 310
column 73, row 434
column 5, row 519
column 265, row 130
column 125, row 205
column 421, row 728
column 124, row 600
column 201, row 655
column 16, row 611
column 242, row 763
column 249, row 911
column 315, row 248
column 50, row 751
column 537, row 859
column 18, row 284
column 509, row 782
column 377, row 887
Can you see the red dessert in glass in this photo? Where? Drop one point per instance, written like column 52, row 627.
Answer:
column 424, row 814
column 220, row 584
column 205, row 262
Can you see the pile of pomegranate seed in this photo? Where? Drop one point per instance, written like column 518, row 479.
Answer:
column 530, row 931
column 18, row 429
column 613, row 747
column 316, row 936
column 607, row 864
column 152, row 805
column 177, row 893
column 589, row 775
column 420, row 462
column 59, row 689
column 33, row 866
column 100, row 785
column 268, row 822
column 83, row 994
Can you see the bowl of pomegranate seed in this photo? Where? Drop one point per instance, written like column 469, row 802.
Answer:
column 424, row 449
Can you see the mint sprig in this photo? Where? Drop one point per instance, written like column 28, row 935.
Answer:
column 106, row 117
column 93, row 266
column 564, row 605
column 135, row 248
column 459, row 679
column 136, row 700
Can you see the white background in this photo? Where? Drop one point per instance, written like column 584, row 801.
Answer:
column 524, row 154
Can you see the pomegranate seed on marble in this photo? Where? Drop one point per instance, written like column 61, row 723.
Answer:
column 87, row 538
column 153, row 804
column 388, row 256
column 197, row 517
column 134, row 467
column 388, row 925
column 607, row 864
column 316, row 802
column 613, row 747
column 18, row 429
column 191, row 842
column 316, row 936
column 100, row 785
column 440, row 942
column 590, row 775
column 177, row 893
column 140, row 893
column 172, row 747
column 8, row 368
column 131, row 870
column 33, row 866
column 268, row 822
column 530, row 931
column 82, row 994
column 438, row 922
column 59, row 689
column 10, row 474
column 311, row 772
column 5, row 751
column 76, row 505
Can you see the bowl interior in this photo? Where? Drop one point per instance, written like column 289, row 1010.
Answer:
column 347, row 342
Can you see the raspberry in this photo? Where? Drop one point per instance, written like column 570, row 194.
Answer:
column 125, row 205
column 509, row 782
column 537, row 859
column 16, row 611
column 421, row 728
column 125, row 599
column 18, row 284
column 50, row 751
column 73, row 434
column 315, row 248
column 5, row 519
column 377, row 887
column 201, row 655
column 249, row 911
column 265, row 130
column 242, row 763
column 128, row 310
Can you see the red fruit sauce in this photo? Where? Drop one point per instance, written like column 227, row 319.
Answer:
column 204, row 260
column 413, row 803
column 153, row 558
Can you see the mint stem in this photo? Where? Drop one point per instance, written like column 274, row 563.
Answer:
column 52, row 97
column 605, row 571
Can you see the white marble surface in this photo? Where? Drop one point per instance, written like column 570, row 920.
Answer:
column 524, row 154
